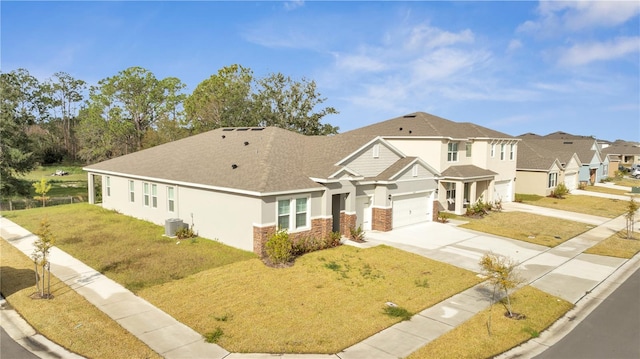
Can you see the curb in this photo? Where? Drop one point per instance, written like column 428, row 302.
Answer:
column 20, row 331
column 573, row 317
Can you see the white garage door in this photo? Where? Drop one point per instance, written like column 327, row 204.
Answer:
column 411, row 209
column 571, row 181
column 503, row 191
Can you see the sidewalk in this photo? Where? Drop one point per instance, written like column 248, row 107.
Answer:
column 563, row 271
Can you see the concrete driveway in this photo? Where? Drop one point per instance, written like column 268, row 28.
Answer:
column 564, row 271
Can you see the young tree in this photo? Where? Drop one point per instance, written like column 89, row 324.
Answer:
column 501, row 272
column 40, row 258
column 42, row 188
column 630, row 216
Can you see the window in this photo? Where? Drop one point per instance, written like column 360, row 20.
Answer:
column 293, row 213
column 502, row 149
column 451, row 191
column 171, row 202
column 376, row 150
column 553, row 179
column 468, row 148
column 145, row 194
column 107, row 184
column 452, row 152
column 414, row 171
column 493, row 150
column 512, row 152
column 154, row 195
column 132, row 192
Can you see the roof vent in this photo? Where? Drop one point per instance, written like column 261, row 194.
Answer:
column 223, row 136
column 409, row 116
column 257, row 129
column 242, row 129
column 234, row 166
column 400, row 129
column 567, row 143
column 410, row 131
column 227, row 129
column 246, row 143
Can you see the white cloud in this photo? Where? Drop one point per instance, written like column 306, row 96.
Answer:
column 358, row 63
column 574, row 16
column 514, row 45
column 581, row 54
column 426, row 37
column 292, row 5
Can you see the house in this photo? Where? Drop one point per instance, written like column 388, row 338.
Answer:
column 627, row 152
column 540, row 169
column 239, row 185
column 474, row 162
column 594, row 165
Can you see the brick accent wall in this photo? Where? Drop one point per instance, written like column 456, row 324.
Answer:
column 347, row 221
column 381, row 219
column 320, row 228
column 437, row 208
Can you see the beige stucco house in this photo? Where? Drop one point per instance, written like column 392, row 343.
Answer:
column 540, row 168
column 238, row 185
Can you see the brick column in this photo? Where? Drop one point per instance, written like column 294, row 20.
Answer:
column 347, row 221
column 260, row 237
column 382, row 218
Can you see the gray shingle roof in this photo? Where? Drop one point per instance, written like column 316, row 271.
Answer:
column 467, row 171
column 272, row 160
column 550, row 149
column 424, row 124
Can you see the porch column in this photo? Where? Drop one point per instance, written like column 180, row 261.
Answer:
column 459, row 198
column 472, row 192
column 92, row 188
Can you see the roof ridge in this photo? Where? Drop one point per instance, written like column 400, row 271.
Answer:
column 264, row 180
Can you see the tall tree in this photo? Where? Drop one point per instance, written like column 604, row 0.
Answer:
column 123, row 108
column 222, row 100
column 17, row 113
column 289, row 104
column 66, row 94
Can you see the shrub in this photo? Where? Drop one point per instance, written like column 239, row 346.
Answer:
column 560, row 191
column 279, row 247
column 397, row 312
column 334, row 239
column 185, row 232
column 443, row 217
column 480, row 208
column 213, row 337
column 357, row 234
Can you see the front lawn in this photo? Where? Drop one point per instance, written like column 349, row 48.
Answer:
column 472, row 340
column 327, row 301
column 596, row 206
column 528, row 227
column 617, row 245
column 132, row 252
column 67, row 319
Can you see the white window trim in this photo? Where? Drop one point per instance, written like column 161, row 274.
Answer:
column 468, row 149
column 132, row 191
column 414, row 170
column 171, row 199
column 555, row 180
column 154, row 195
column 453, row 153
column 293, row 213
column 107, row 185
column 503, row 150
column 146, row 197
column 493, row 150
column 512, row 151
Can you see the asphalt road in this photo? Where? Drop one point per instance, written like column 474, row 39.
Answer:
column 11, row 350
column 611, row 331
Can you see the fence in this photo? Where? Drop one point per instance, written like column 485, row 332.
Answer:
column 26, row 203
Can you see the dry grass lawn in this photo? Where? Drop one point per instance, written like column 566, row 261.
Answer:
column 603, row 207
column 609, row 190
column 67, row 319
column 327, row 301
column 130, row 251
column 532, row 228
column 472, row 340
column 628, row 182
column 617, row 245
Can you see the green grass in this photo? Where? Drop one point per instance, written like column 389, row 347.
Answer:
column 472, row 340
column 528, row 227
column 327, row 301
column 132, row 252
column 74, row 184
column 617, row 245
column 67, row 319
column 596, row 206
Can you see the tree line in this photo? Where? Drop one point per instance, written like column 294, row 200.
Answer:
column 62, row 118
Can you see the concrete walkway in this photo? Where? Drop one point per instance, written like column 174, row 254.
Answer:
column 563, row 271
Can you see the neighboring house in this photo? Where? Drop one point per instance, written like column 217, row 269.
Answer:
column 594, row 165
column 475, row 162
column 628, row 152
column 614, row 163
column 540, row 170
column 238, row 185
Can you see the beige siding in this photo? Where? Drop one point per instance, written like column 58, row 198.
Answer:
column 429, row 151
column 365, row 164
column 529, row 182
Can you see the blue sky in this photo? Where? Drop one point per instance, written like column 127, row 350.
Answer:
column 515, row 67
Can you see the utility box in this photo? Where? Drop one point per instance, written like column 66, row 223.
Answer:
column 171, row 225
column 635, row 189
